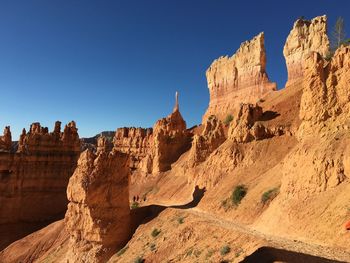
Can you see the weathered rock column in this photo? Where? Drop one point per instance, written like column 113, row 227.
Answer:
column 98, row 215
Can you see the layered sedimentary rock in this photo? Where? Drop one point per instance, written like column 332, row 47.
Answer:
column 33, row 180
column 322, row 156
column 211, row 138
column 305, row 37
column 326, row 94
column 98, row 215
column 170, row 140
column 133, row 141
column 241, row 78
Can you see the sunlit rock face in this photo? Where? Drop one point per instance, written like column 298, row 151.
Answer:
column 133, row 141
column 34, row 179
column 98, row 215
column 241, row 78
column 170, row 139
column 305, row 37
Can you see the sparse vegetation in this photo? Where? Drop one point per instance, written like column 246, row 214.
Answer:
column 152, row 247
column 209, row 253
column 238, row 194
column 225, row 250
column 269, row 195
column 189, row 252
column 228, row 119
column 211, row 117
column 338, row 34
column 180, row 220
column 134, row 205
column 139, row 260
column 197, row 253
column 122, row 251
column 155, row 232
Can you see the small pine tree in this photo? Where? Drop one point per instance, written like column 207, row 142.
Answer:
column 338, row 34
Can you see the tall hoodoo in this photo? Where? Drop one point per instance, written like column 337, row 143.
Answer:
column 98, row 215
column 169, row 140
column 305, row 37
column 6, row 140
column 241, row 78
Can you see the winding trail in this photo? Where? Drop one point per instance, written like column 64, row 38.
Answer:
column 297, row 246
column 275, row 241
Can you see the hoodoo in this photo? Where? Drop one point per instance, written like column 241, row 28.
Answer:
column 305, row 37
column 98, row 215
column 241, row 78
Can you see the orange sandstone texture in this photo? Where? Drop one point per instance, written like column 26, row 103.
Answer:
column 305, row 37
column 33, row 180
column 241, row 78
column 98, row 215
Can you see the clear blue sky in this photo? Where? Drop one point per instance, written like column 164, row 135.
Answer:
column 107, row 64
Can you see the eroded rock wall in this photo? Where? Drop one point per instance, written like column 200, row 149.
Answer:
column 98, row 215
column 33, row 180
column 133, row 141
column 241, row 78
column 305, row 37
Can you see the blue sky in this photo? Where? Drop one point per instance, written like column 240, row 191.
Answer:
column 107, row 64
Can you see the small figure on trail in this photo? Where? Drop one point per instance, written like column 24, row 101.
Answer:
column 137, row 198
column 134, row 198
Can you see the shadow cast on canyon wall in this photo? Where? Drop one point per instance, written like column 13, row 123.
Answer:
column 269, row 115
column 270, row 254
column 145, row 214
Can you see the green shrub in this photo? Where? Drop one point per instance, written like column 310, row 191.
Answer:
column 211, row 117
column 180, row 220
column 225, row 250
column 269, row 195
column 134, row 205
column 122, row 251
column 228, row 119
column 155, row 232
column 209, row 253
column 152, row 247
column 139, row 260
column 328, row 56
column 238, row 194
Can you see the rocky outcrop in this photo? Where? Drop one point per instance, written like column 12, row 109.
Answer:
column 210, row 139
column 245, row 127
column 305, row 37
column 241, row 78
column 325, row 102
column 133, row 141
column 34, row 179
column 98, row 215
column 6, row 140
column 170, row 140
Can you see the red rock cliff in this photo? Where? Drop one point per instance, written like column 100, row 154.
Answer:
column 305, row 37
column 33, row 180
column 241, row 78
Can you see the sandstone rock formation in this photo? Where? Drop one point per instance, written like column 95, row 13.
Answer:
column 211, row 138
column 133, row 141
column 33, row 180
column 325, row 103
column 241, row 78
column 170, row 139
column 245, row 127
column 6, row 140
column 305, row 37
column 98, row 215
